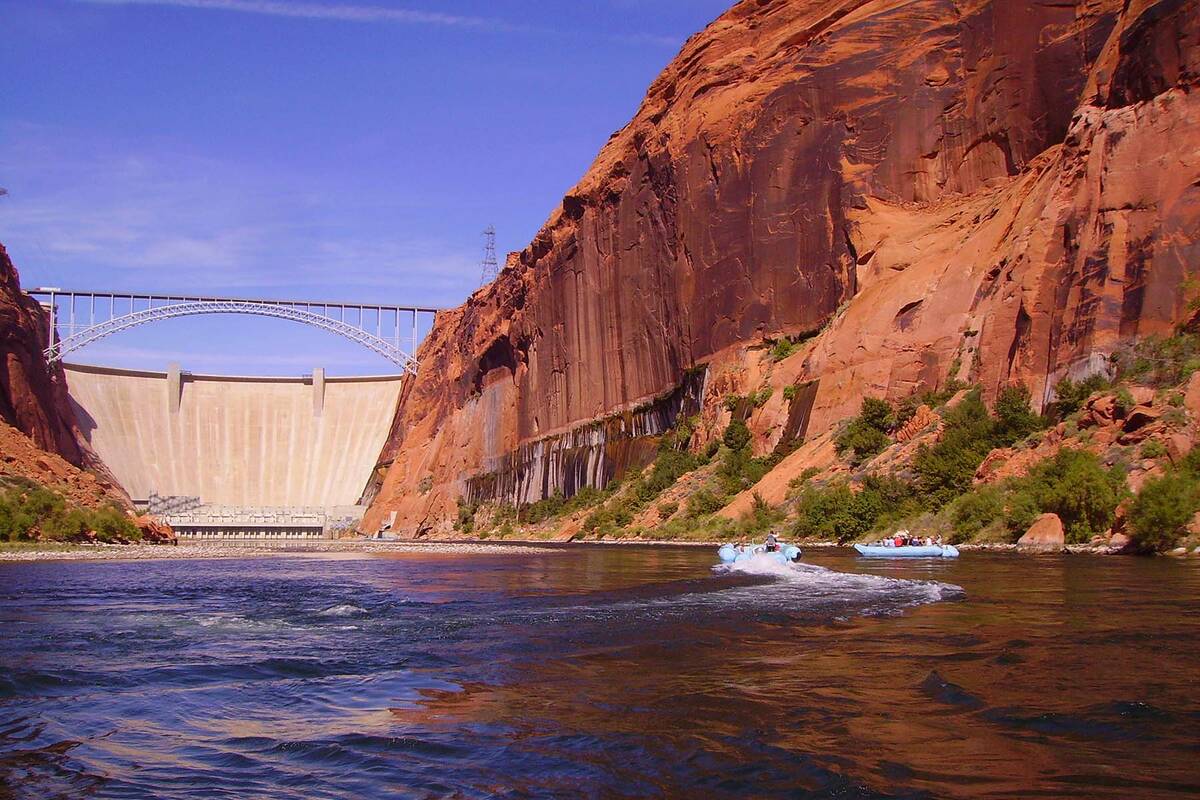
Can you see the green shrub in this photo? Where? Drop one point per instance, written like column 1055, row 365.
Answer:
column 543, row 509
column 825, row 513
column 111, row 524
column 29, row 511
column 783, row 348
column 17, row 521
column 974, row 511
column 1014, row 417
column 733, row 401
column 946, row 469
column 1076, row 486
column 466, row 515
column 1070, row 395
column 1153, row 448
column 762, row 515
column 1160, row 513
column 668, row 509
column 789, row 392
column 867, row 434
column 760, row 398
column 877, row 413
column 1158, row 361
column 736, row 435
column 668, row 468
column 1175, row 417
column 804, row 477
column 861, row 442
column 836, row 512
column 702, row 503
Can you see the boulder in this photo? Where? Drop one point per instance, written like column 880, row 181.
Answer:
column 1178, row 446
column 1191, row 395
column 1120, row 543
column 1139, row 417
column 1138, row 477
column 1102, row 409
column 1045, row 534
column 1142, row 395
column 155, row 532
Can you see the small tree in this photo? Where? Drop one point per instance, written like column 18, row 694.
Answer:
column 1076, row 487
column 1014, row 417
column 736, row 436
column 867, row 434
column 1071, row 395
column 1161, row 511
column 946, row 469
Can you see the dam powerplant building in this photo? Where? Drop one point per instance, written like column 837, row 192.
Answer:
column 237, row 457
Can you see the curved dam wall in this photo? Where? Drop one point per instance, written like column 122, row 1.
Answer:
column 310, row 441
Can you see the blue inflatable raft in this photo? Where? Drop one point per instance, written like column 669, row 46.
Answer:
column 731, row 553
column 910, row 551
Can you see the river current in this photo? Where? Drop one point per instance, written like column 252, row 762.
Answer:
column 600, row 672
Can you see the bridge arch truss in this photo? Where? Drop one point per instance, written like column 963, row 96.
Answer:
column 84, row 318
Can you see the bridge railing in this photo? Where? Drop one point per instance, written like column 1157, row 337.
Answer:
column 81, row 318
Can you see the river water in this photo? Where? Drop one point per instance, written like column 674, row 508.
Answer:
column 600, row 672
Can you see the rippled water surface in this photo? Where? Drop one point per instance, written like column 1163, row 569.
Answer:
column 600, row 672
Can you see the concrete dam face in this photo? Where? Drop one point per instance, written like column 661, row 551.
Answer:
column 280, row 442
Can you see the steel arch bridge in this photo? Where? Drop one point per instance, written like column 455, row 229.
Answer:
column 87, row 317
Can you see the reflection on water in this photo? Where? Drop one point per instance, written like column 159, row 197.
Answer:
column 600, row 672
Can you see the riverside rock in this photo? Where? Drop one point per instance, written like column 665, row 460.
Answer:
column 1046, row 534
column 994, row 192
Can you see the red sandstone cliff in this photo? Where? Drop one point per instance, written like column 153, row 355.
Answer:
column 33, row 401
column 33, row 396
column 1005, row 189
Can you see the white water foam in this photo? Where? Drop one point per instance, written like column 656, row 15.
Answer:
column 342, row 610
column 821, row 582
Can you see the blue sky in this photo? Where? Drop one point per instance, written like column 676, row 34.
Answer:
column 302, row 149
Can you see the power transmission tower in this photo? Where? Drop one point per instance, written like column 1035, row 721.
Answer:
column 488, row 269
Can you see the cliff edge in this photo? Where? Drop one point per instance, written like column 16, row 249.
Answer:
column 33, row 395
column 984, row 190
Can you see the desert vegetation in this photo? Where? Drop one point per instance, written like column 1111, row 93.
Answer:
column 31, row 512
column 935, row 485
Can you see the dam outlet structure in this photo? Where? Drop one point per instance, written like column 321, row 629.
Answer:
column 238, row 457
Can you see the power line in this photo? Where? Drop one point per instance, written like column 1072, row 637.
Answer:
column 488, row 269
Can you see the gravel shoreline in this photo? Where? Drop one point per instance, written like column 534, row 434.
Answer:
column 251, row 549
column 138, row 552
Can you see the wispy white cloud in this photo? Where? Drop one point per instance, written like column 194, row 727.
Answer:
column 320, row 11
column 84, row 216
column 381, row 14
